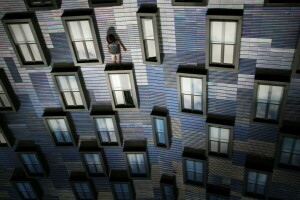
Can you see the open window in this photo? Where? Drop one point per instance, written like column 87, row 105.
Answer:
column 32, row 159
column 223, row 38
column 34, row 5
column 121, row 185
column 104, row 3
column 83, row 188
column 194, row 166
column 191, row 85
column 219, row 131
column 106, row 126
column 216, row 192
column 257, row 175
column 21, row 29
column 122, row 87
column 70, row 87
column 93, row 158
column 135, row 152
column 270, row 91
column 161, row 127
column 168, row 187
column 190, row 2
column 8, row 99
column 296, row 62
column 60, row 126
column 282, row 3
column 6, row 137
column 28, row 189
column 147, row 21
column 81, row 33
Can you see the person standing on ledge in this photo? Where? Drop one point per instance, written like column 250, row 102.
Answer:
column 113, row 46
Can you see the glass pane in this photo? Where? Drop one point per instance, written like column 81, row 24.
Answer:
column 262, row 179
column 150, row 48
column 75, row 30
column 186, row 85
column 230, row 32
column 263, row 93
column 63, row 83
column 54, row 126
column 199, row 177
column 214, row 133
column 295, row 160
column 2, row 139
column 104, row 136
column 140, row 158
column 214, row 146
column 216, row 31
column 62, row 124
column 284, row 159
column 197, row 86
column 86, row 29
column 276, row 94
column 109, row 124
column 228, row 54
column 287, row 144
column 101, row 124
column 260, row 189
column 1, row 89
column 252, row 177
column 58, row 136
column 67, row 137
column 119, row 95
column 125, row 188
column 250, row 187
column 224, row 134
column 159, row 125
column 80, row 50
column 78, row 98
column 261, row 110
column 25, row 52
column 197, row 102
column 91, row 49
column 5, row 101
column 147, row 25
column 17, row 33
column 73, row 83
column 187, row 101
column 199, row 167
column 297, row 147
column 112, row 136
column 36, row 53
column 224, row 148
column 216, row 53
column 120, row 81
column 273, row 111
column 28, row 33
column 118, row 187
column 161, row 138
column 189, row 165
column 69, row 99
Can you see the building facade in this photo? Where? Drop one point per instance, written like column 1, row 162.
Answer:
column 205, row 104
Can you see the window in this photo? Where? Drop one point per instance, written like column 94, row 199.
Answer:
column 223, row 38
column 160, row 127
column 122, row 87
column 147, row 22
column 103, row 3
column 58, row 125
column 42, row 4
column 106, row 128
column 219, row 135
column 296, row 62
column 82, row 37
column 189, row 2
column 8, row 99
column 69, row 86
column 194, row 166
column 192, row 92
column 26, row 41
column 121, row 185
column 31, row 163
column 269, row 101
column 26, row 191
column 82, row 187
column 93, row 158
column 256, row 183
column 6, row 137
column 282, row 3
column 167, row 186
column 290, row 152
column 136, row 158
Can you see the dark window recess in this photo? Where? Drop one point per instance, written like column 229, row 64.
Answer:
column 103, row 3
column 189, row 2
column 290, row 152
column 121, row 185
column 82, row 186
column 168, row 187
column 282, row 3
column 33, row 5
column 216, row 192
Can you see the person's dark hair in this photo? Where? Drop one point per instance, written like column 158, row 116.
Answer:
column 110, row 38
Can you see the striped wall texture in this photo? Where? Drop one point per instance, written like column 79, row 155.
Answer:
column 269, row 37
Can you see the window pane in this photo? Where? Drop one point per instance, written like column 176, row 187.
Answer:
column 197, row 102
column 159, row 125
column 228, row 54
column 295, row 160
column 287, row 144
column 147, row 26
column 252, row 177
column 25, row 52
column 74, row 30
column 120, row 81
column 73, row 83
column 230, row 32
column 187, row 101
column 78, row 98
column 112, row 136
column 216, row 53
column 62, row 124
column 260, row 189
column 224, row 134
column 224, row 148
column 5, row 101
column 109, row 124
column 150, row 48
column 262, row 179
column 297, row 147
column 263, row 93
column 17, row 33
column 214, row 133
column 2, row 139
column 86, row 29
column 35, row 52
column 250, row 187
column 216, row 31
column 81, row 53
column 214, row 146
column 273, row 111
column 63, row 83
column 119, row 95
column 28, row 33
column 91, row 49
column 261, row 110
column 67, row 137
column 284, row 159
column 197, row 86
column 199, row 167
column 189, row 165
column 186, row 85
column 276, row 94
column 104, row 136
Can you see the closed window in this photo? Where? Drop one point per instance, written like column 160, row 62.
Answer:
column 290, row 152
column 136, row 164
column 194, row 171
column 268, row 101
column 159, row 127
column 122, row 191
column 121, row 89
column 26, row 191
column 93, row 163
column 4, row 100
column 219, row 140
column 223, row 42
column 60, row 131
column 256, row 183
column 31, row 163
column 70, row 91
column 106, row 130
column 191, row 94
column 148, row 38
column 83, row 191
